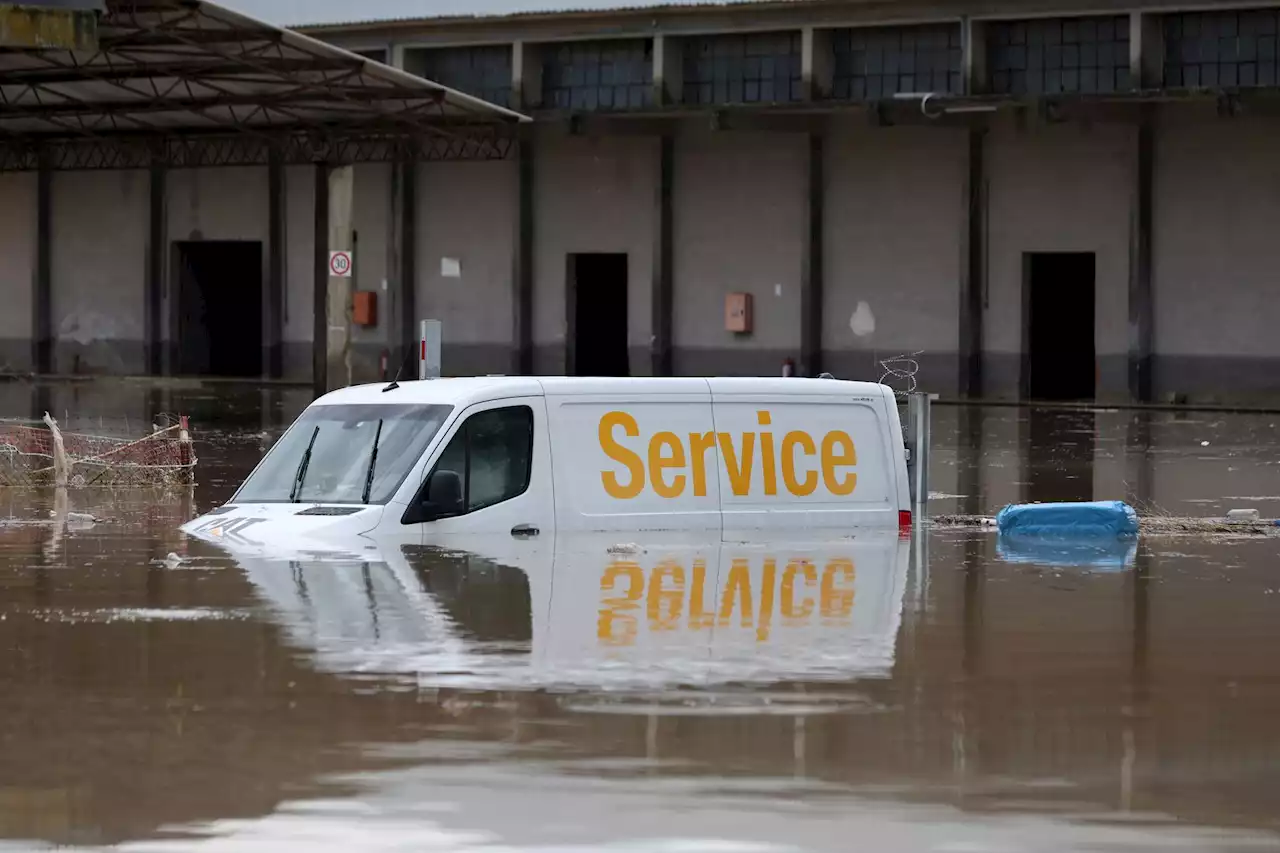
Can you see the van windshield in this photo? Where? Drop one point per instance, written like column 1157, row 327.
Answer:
column 325, row 456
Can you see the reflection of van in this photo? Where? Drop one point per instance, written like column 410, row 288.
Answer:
column 663, row 610
column 529, row 456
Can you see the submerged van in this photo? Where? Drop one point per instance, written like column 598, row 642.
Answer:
column 429, row 460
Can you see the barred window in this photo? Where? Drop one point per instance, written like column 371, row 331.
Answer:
column 878, row 62
column 1221, row 49
column 482, row 71
column 751, row 68
column 1059, row 55
column 612, row 74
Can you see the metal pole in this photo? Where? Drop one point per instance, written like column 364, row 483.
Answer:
column 919, row 431
column 429, row 349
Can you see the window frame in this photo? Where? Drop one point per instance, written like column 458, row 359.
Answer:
column 463, row 429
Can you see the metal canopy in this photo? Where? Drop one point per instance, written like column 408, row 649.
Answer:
column 189, row 83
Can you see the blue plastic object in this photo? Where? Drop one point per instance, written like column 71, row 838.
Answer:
column 1093, row 520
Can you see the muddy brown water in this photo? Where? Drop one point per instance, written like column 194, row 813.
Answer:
column 933, row 695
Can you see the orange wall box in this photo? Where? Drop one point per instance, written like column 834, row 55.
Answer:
column 364, row 310
column 737, row 312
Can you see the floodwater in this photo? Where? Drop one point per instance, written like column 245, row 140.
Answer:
column 932, row 694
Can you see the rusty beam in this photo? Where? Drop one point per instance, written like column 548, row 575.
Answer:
column 47, row 28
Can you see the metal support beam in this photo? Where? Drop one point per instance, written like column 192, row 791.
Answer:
column 273, row 315
column 320, row 282
column 522, row 276
column 663, row 293
column 156, row 242
column 408, row 257
column 1141, row 301
column 338, row 305
column 42, row 298
column 811, row 265
column 974, row 274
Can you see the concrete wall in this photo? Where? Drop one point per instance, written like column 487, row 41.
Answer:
column 894, row 228
column 466, row 213
column 99, row 234
column 1216, row 254
column 592, row 195
column 739, row 201
column 1061, row 188
column 17, row 275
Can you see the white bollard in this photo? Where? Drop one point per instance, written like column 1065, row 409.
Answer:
column 429, row 350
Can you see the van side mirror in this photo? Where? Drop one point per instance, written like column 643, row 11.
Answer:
column 443, row 499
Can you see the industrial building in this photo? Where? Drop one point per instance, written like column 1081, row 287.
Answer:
column 1049, row 200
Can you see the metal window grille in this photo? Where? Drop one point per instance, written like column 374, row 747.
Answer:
column 598, row 75
column 1221, row 49
column 1059, row 55
column 483, row 71
column 751, row 68
column 878, row 62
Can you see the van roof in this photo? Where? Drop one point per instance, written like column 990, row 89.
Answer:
column 464, row 391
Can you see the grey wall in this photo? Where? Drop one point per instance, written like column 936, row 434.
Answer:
column 1217, row 256
column 466, row 212
column 593, row 194
column 739, row 211
column 895, row 201
column 1060, row 188
column 99, row 234
column 17, row 274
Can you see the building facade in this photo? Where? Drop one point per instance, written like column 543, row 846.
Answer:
column 1084, row 206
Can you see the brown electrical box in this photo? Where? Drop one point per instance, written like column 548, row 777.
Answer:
column 364, row 308
column 737, row 312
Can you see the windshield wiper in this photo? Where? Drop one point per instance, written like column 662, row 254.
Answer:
column 373, row 460
column 295, row 494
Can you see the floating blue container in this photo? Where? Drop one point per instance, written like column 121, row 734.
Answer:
column 1076, row 521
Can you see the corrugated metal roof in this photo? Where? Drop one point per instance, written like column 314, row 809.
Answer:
column 298, row 13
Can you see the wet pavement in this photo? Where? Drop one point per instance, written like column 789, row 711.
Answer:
column 931, row 694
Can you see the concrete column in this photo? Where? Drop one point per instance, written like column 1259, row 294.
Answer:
column 974, row 63
column 817, row 63
column 663, row 261
column 320, row 283
column 974, row 274
column 668, row 71
column 42, row 296
column 1141, row 298
column 156, row 255
column 526, row 76
column 408, row 261
column 811, row 280
column 1146, row 51
column 338, row 302
column 522, row 274
column 273, row 307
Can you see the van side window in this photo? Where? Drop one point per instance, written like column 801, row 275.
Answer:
column 491, row 456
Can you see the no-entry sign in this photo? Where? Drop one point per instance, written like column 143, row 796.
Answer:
column 340, row 264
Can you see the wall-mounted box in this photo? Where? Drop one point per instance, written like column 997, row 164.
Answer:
column 364, row 308
column 737, row 313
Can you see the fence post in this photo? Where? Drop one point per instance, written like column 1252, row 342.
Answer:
column 429, row 350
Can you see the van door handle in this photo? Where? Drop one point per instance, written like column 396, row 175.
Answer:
column 524, row 530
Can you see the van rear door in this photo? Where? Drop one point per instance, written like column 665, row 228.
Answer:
column 800, row 460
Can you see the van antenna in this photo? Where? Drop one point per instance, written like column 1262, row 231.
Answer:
column 395, row 383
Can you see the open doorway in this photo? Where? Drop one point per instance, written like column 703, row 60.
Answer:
column 218, row 310
column 596, row 292
column 1058, row 305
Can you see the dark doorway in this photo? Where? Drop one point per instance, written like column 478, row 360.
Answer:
column 218, row 310
column 1058, row 305
column 597, row 315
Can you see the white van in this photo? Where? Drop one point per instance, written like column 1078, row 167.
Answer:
column 526, row 456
